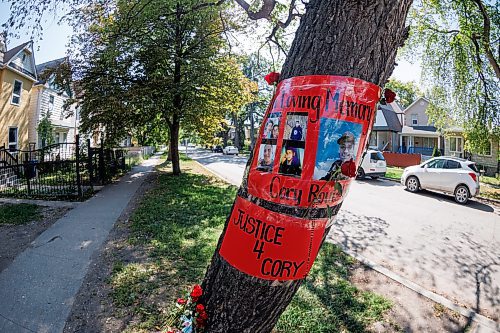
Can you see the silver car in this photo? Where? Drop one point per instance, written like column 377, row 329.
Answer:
column 452, row 175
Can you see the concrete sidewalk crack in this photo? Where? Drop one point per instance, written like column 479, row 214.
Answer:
column 17, row 324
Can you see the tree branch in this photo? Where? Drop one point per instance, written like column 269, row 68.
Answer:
column 263, row 13
column 486, row 37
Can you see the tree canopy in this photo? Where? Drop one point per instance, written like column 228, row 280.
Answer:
column 458, row 43
column 144, row 72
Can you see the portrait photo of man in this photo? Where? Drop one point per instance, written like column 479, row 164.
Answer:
column 268, row 130
column 296, row 126
column 272, row 126
column 266, row 157
column 296, row 132
column 346, row 153
column 290, row 162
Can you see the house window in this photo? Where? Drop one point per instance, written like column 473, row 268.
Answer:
column 428, row 142
column 414, row 119
column 16, row 92
column 487, row 150
column 12, row 138
column 456, row 144
column 51, row 104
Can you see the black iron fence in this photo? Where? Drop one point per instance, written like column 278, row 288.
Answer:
column 64, row 170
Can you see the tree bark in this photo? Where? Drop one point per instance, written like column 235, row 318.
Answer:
column 252, row 126
column 174, row 146
column 347, row 38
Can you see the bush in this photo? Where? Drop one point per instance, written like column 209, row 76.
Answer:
column 436, row 152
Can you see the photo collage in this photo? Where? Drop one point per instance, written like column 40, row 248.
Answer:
column 292, row 152
column 267, row 150
column 338, row 145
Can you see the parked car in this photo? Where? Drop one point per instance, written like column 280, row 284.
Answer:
column 446, row 174
column 229, row 150
column 217, row 149
column 372, row 165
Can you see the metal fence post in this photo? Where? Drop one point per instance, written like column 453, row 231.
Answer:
column 89, row 162
column 27, row 172
column 101, row 164
column 78, row 179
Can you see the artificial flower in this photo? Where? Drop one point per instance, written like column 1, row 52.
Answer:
column 272, row 78
column 348, row 168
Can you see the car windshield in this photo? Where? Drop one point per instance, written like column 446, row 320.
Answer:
column 377, row 156
column 473, row 167
column 436, row 164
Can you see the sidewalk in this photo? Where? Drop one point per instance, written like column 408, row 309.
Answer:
column 37, row 290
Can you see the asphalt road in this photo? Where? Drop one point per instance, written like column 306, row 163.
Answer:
column 447, row 248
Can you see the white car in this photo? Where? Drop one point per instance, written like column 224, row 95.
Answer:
column 446, row 174
column 373, row 165
column 230, row 150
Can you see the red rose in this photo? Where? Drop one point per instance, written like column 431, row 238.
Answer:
column 389, row 95
column 272, row 78
column 200, row 322
column 200, row 308
column 348, row 168
column 203, row 315
column 181, row 301
column 196, row 293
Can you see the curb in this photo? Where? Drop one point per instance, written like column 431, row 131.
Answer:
column 468, row 313
column 485, row 322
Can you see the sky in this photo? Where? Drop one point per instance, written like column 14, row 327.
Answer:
column 56, row 37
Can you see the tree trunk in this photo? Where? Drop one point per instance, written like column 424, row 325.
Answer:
column 174, row 146
column 252, row 125
column 347, row 38
column 236, row 131
column 169, row 154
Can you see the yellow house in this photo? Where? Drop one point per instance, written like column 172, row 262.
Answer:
column 17, row 77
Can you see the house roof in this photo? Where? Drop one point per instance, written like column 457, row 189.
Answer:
column 12, row 52
column 415, row 101
column 49, row 65
column 425, row 128
column 391, row 118
column 417, row 131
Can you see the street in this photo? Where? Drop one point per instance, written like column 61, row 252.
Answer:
column 446, row 248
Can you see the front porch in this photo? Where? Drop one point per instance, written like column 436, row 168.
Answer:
column 414, row 141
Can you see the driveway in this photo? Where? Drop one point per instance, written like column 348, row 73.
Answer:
column 446, row 248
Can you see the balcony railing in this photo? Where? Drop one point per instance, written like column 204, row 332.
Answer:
column 426, row 151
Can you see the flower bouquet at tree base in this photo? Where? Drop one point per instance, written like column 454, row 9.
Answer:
column 189, row 316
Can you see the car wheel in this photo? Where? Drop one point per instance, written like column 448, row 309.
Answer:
column 360, row 174
column 412, row 184
column 462, row 194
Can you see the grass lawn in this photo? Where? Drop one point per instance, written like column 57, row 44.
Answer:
column 394, row 173
column 490, row 192
column 178, row 224
column 19, row 213
column 490, row 180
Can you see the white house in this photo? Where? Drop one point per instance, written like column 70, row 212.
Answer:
column 48, row 98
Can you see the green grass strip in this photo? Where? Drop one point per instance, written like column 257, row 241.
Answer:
column 179, row 223
column 19, row 214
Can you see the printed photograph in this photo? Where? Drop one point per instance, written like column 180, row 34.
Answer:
column 266, row 157
column 291, row 161
column 338, row 143
column 296, row 126
column 271, row 130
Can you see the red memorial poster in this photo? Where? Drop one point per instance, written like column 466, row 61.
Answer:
column 314, row 125
column 265, row 244
column 308, row 149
